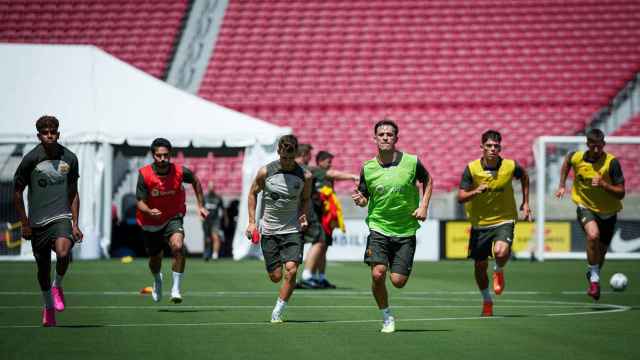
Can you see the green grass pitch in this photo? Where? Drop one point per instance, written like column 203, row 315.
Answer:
column 543, row 313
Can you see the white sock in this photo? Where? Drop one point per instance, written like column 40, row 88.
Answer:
column 280, row 306
column 47, row 299
column 157, row 276
column 595, row 273
column 214, row 255
column 486, row 295
column 177, row 277
column 306, row 274
column 386, row 313
column 497, row 268
column 57, row 281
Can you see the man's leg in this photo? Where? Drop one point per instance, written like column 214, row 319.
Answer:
column 379, row 290
column 62, row 247
column 217, row 243
column 594, row 258
column 176, row 242
column 43, row 262
column 502, row 252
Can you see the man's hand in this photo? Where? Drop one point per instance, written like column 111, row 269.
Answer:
column 250, row 229
column 303, row 222
column 526, row 212
column 77, row 234
column 596, row 181
column 203, row 212
column 560, row 192
column 420, row 214
column 481, row 188
column 26, row 231
column 154, row 213
column 358, row 198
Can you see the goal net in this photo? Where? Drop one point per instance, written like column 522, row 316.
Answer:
column 551, row 213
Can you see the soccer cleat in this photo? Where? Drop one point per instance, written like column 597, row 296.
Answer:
column 156, row 292
column 48, row 317
column 487, row 309
column 58, row 298
column 325, row 284
column 498, row 282
column 276, row 318
column 594, row 290
column 176, row 298
column 388, row 325
column 308, row 284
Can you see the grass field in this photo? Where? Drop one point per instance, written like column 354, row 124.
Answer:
column 543, row 313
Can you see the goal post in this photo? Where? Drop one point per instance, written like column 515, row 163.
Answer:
column 549, row 152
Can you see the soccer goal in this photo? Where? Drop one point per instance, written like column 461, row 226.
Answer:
column 552, row 214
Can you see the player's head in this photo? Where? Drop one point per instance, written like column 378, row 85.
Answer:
column 303, row 155
column 161, row 151
column 595, row 142
column 324, row 159
column 287, row 150
column 47, row 127
column 386, row 134
column 211, row 187
column 491, row 146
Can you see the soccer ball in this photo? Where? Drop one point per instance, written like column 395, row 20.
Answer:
column 618, row 282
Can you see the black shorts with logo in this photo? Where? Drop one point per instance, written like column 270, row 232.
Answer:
column 281, row 248
column 481, row 240
column 43, row 238
column 154, row 241
column 395, row 252
column 606, row 226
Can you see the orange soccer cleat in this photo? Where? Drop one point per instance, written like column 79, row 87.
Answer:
column 498, row 282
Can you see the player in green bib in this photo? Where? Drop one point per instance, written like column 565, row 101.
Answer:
column 598, row 190
column 487, row 193
column 388, row 188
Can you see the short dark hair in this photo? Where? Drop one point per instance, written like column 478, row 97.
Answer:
column 304, row 149
column 386, row 122
column 288, row 144
column 47, row 122
column 595, row 135
column 491, row 135
column 160, row 142
column 323, row 155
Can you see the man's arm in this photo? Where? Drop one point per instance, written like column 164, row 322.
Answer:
column 18, row 202
column 197, row 188
column 141, row 195
column 524, row 207
column 421, row 212
column 306, row 196
column 256, row 187
column 564, row 173
column 74, row 201
column 616, row 187
column 360, row 194
column 342, row 175
column 467, row 191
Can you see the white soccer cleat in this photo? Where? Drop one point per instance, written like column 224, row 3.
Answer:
column 276, row 318
column 176, row 297
column 388, row 325
column 156, row 292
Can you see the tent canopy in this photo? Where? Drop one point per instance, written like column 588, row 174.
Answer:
column 99, row 98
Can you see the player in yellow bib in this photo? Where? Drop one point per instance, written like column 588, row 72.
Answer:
column 489, row 201
column 598, row 190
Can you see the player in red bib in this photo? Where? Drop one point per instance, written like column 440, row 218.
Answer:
column 161, row 207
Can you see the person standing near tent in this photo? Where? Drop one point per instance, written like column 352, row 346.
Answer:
column 286, row 189
column 51, row 173
column 388, row 188
column 212, row 225
column 160, row 210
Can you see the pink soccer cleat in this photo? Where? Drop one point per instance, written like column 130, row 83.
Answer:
column 58, row 298
column 48, row 317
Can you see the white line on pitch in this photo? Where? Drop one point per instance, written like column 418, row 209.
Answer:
column 310, row 307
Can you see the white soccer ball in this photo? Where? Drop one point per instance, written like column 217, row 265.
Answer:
column 618, row 282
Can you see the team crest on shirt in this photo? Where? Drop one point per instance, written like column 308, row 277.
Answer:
column 63, row 168
column 380, row 189
column 155, row 192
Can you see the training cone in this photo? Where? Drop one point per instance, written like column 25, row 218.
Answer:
column 126, row 259
column 146, row 290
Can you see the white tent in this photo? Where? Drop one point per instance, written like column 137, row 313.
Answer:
column 102, row 101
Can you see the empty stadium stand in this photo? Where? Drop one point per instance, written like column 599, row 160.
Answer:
column 445, row 70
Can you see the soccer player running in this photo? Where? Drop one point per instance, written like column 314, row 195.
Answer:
column 160, row 210
column 487, row 193
column 388, row 188
column 286, row 189
column 51, row 173
column 313, row 275
column 598, row 190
